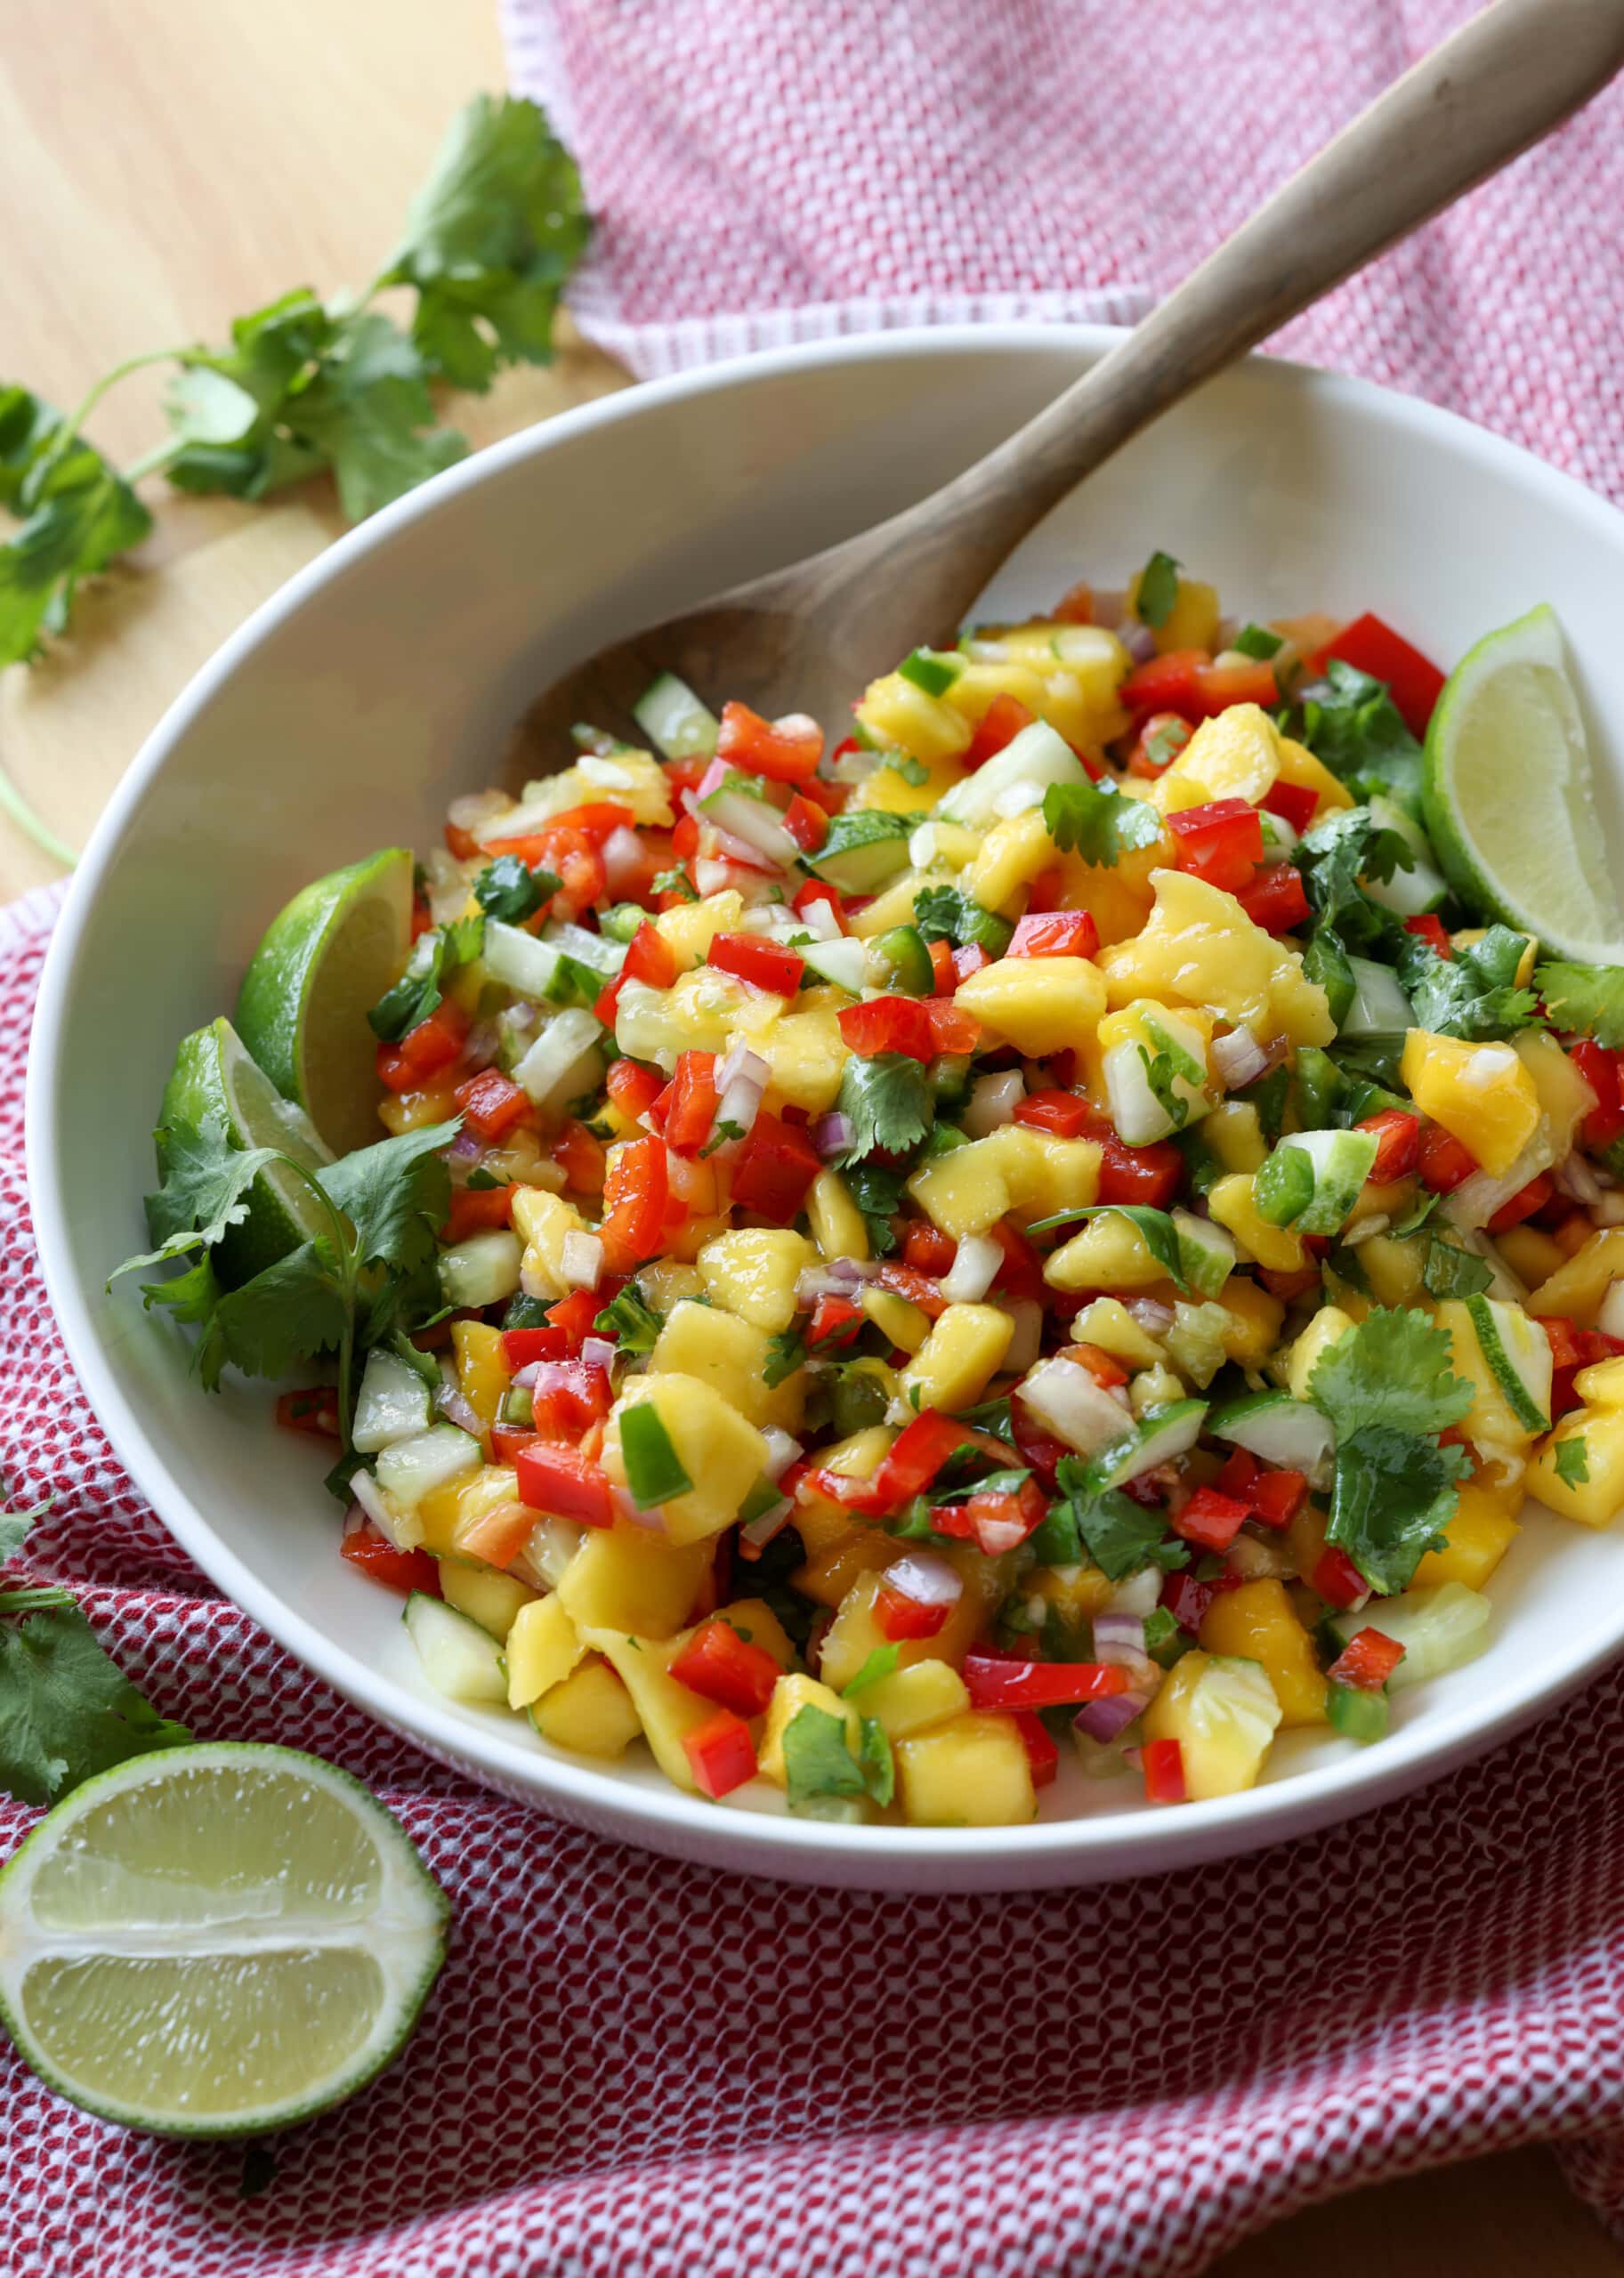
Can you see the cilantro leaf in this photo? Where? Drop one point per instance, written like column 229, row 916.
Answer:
column 489, row 241
column 819, row 1769
column 13, row 1527
column 912, row 771
column 1165, row 1068
column 887, row 1101
column 878, row 1193
column 1586, row 999
column 878, row 1765
column 1098, row 821
column 435, row 956
column 880, row 1664
column 395, row 1194
column 194, row 1299
column 950, row 913
column 1258, row 641
column 630, row 1320
column 1392, row 1369
column 723, row 1133
column 290, row 1311
column 785, row 1353
column 1120, row 1536
column 510, row 890
column 1352, row 725
column 67, row 1710
column 1393, row 1496
column 1572, row 1464
column 205, row 1190
column 1333, row 857
column 1451, row 1272
column 1472, row 993
column 676, row 881
column 76, row 516
column 1158, row 589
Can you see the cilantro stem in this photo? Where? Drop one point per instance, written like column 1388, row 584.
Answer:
column 67, row 434
column 343, row 1244
column 157, row 457
column 13, row 805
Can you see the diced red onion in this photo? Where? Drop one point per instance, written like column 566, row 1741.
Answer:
column 833, row 1134
column 467, row 1146
column 623, row 859
column 1238, row 1059
column 581, row 1260
column 1152, row 1316
column 992, row 1102
column 599, row 1351
column 1137, row 638
column 740, row 852
column 846, row 1272
column 709, row 876
column 477, row 810
column 760, row 1530
column 1027, row 1343
column 975, row 1267
column 819, row 919
column 994, row 1537
column 651, row 1521
column 452, row 1402
column 737, row 1061
column 1117, row 1637
column 1576, row 1178
column 1018, row 798
column 1107, row 1720
column 713, row 780
column 926, row 1579
column 781, row 1452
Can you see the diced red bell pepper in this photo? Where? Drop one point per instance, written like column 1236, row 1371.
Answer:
column 1042, row 1755
column 1603, row 1071
column 1413, row 681
column 927, row 1248
column 1187, row 1600
column 521, row 1347
column 1241, row 1469
column 995, row 1522
column 951, row 1031
column 764, row 963
column 424, row 1051
column 1293, row 803
column 1275, row 898
column 685, row 840
column 719, row 1664
column 834, row 1320
column 786, row 751
column 314, row 1411
column 1221, row 841
column 995, row 1682
column 1075, row 605
column 1218, row 686
column 912, row 1461
column 1398, row 1143
column 1427, row 926
column 491, row 1104
column 1056, row 933
column 1276, row 1497
column 807, row 823
column 1211, row 1519
column 474, row 1209
column 1000, row 723
column 560, row 1480
column 580, row 1155
column 372, row 1554
column 1162, row 1764
column 1287, row 1287
column 691, row 1100
column 461, row 843
column 721, row 1753
column 944, row 979
column 1162, row 736
column 1103, row 1367
column 593, row 823
column 636, row 1185
column 577, row 1396
column 1444, row 1163
column 1063, row 1114
column 649, row 958
column 1151, row 1175
column 775, row 1166
column 1166, row 685
column 889, row 1024
column 1522, row 1204
column 901, row 1617
column 921, row 1290
column 1039, row 1451
column 1337, row 1579
column 507, row 1439
column 633, row 1088
column 573, row 1316
column 819, row 890
column 1365, row 1661
column 972, row 958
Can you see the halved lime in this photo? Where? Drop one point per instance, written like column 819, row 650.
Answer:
column 1509, row 796
column 217, row 1940
column 323, row 962
column 214, row 1074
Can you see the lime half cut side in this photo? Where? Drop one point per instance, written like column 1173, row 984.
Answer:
column 1509, row 795
column 217, row 1940
column 213, row 1074
column 324, row 962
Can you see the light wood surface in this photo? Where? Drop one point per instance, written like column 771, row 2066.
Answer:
column 176, row 166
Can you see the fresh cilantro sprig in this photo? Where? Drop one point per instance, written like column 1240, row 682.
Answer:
column 1583, row 999
column 1120, row 1536
column 338, row 1290
column 1352, row 725
column 509, row 890
column 435, row 956
column 1473, row 992
column 887, row 1102
column 950, row 913
column 1156, row 1230
column 306, row 385
column 823, row 1778
column 1333, row 858
column 1098, row 821
column 1572, row 1461
column 1158, row 589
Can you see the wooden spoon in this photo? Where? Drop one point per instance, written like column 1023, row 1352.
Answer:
column 807, row 638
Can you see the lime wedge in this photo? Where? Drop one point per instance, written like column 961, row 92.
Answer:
column 215, row 1941
column 324, row 962
column 213, row 1074
column 1509, row 797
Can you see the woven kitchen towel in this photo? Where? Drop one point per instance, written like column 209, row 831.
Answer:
column 632, row 2069
column 768, row 171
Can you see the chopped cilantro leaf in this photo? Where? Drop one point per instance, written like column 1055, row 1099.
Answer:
column 950, row 913
column 1098, row 821
column 1352, row 725
column 912, row 771
column 1387, row 1388
column 887, row 1101
column 819, row 1768
column 67, row 1710
column 1451, row 1272
column 1158, row 591
column 1573, row 1460
column 1164, row 743
column 1583, row 999
column 510, row 890
column 881, row 1663
column 676, row 881
column 1258, row 641
column 435, row 956
column 1472, row 993
column 1120, row 1536
column 721, row 1134
column 785, row 1353
column 1332, row 858
column 633, row 1323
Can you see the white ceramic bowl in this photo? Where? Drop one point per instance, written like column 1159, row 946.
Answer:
column 381, row 682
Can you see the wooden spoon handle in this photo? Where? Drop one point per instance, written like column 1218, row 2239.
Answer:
column 1501, row 81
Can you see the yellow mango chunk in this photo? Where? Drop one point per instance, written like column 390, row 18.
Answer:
column 1258, row 1623
column 1192, row 622
column 590, row 1713
column 1040, row 1004
column 1298, row 766
column 1482, row 1093
column 805, row 1053
column 753, row 1271
column 1275, row 1247
column 1110, row 1253
column 1233, row 1133
column 1012, row 855
column 1328, row 1326
column 482, row 1371
column 911, row 1699
column 1233, row 755
column 491, row 1599
column 690, row 927
column 959, row 1357
column 1223, row 1715
column 666, row 1711
column 1602, row 1385
column 628, row 1578
column 1577, row 1288
column 732, row 1355
column 970, row 1771
column 1596, row 1499
column 838, row 1226
column 1254, row 1321
column 543, row 1647
column 1478, row 1536
column 897, row 712
column 979, row 686
column 721, row 1454
column 888, row 791
column 1199, row 947
column 541, row 1222
column 1108, row 1323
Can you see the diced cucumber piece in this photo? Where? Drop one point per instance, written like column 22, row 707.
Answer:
column 1380, row 1006
column 1279, row 1430
column 1037, row 754
column 410, row 1469
column 1163, row 1433
column 674, row 720
column 1517, row 1353
column 1409, row 893
column 586, row 948
column 753, row 821
column 1340, row 1162
column 1067, row 1401
column 904, row 962
column 392, row 1403
column 1438, row 1629
column 934, row 670
column 482, row 1271
column 459, row 1658
column 564, row 1059
column 863, row 849
column 1283, row 1187
column 844, row 962
column 1205, row 1251
column 521, row 961
column 491, row 1599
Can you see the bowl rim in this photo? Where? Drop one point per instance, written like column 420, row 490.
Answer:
column 1113, row 1844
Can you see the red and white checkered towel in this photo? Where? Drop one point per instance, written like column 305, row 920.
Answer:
column 632, row 2069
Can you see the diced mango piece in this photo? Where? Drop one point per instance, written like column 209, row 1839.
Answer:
column 838, row 1226
column 1478, row 1536
column 1482, row 1093
column 446, row 1514
column 855, row 1632
column 1040, row 1004
column 971, row 1771
column 979, row 687
column 486, row 1597
column 1602, row 1385
column 541, row 1222
column 757, row 1624
column 1110, row 1253
column 959, row 1357
column 911, row 1699
column 1566, row 1098
column 1222, row 1713
column 1233, row 755
column 722, row 1453
column 1314, row 1341
column 481, row 1367
column 805, row 1053
column 790, row 1696
column 1596, row 1499
column 906, row 1324
column 1108, row 1323
column 1298, row 766
column 1192, row 622
column 1275, row 1247
column 1015, row 1168
column 666, row 1711
column 1012, row 855
column 1077, row 1593
column 1530, row 1253
column 1577, row 1288
column 591, row 1712
column 703, row 1012
column 1257, row 1622
column 1490, row 1419
column 753, row 1271
column 1235, row 1135
column 1254, row 1321
column 889, row 791
column 689, row 927
column 1394, row 1269
column 1199, row 947
column 732, row 1355
column 627, row 1577
column 896, row 711
column 543, row 1647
